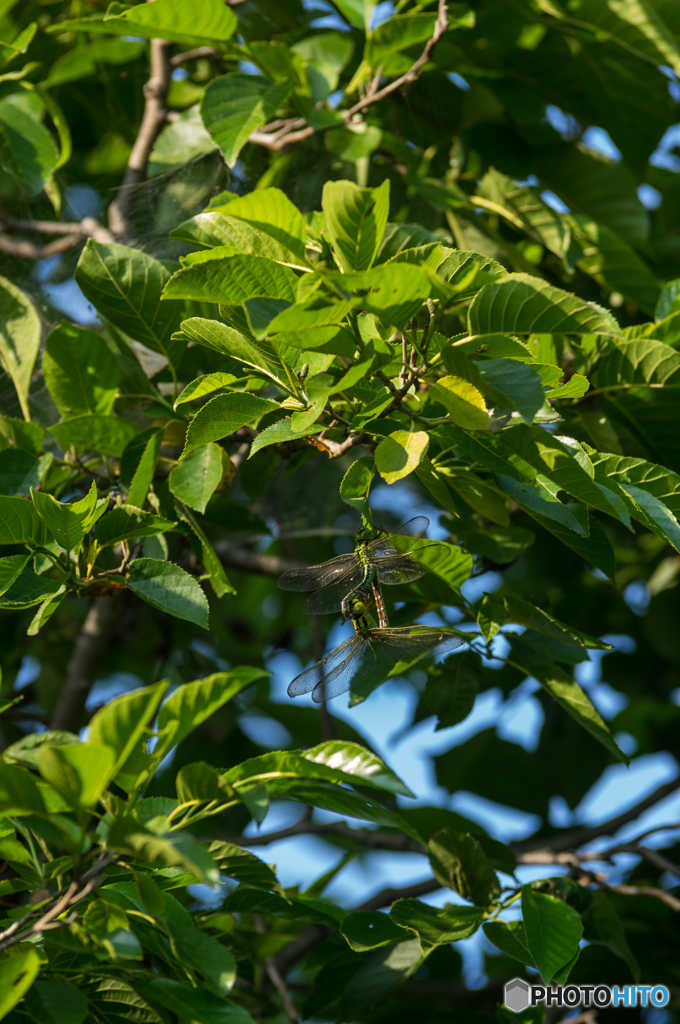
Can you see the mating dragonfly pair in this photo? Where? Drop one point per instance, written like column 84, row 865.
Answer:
column 351, row 584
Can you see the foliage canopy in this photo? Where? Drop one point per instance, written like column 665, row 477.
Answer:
column 358, row 262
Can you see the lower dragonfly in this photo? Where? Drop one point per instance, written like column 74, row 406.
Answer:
column 374, row 561
column 353, row 661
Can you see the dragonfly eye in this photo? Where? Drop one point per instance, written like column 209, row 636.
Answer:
column 356, row 607
column 362, row 535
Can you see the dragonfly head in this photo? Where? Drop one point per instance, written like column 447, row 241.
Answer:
column 363, row 535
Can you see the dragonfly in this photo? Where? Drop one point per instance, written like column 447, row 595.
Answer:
column 374, row 561
column 354, row 660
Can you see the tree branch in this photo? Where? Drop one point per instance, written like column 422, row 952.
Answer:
column 580, row 836
column 72, row 234
column 81, row 673
column 122, row 209
column 252, row 561
column 388, row 896
column 288, row 134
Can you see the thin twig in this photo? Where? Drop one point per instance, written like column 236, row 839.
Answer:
column 252, row 561
column 288, row 136
column 122, row 209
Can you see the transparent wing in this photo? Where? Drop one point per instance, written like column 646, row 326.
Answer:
column 307, row 680
column 316, row 576
column 329, row 598
column 418, row 641
column 354, row 669
column 411, row 566
column 415, row 528
column 349, row 661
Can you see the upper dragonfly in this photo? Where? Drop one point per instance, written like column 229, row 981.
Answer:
column 374, row 561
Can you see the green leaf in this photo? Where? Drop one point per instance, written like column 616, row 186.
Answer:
column 180, row 142
column 434, row 927
column 521, row 304
column 172, row 848
column 230, row 342
column 510, row 938
column 198, row 475
column 138, row 464
column 109, row 435
column 451, row 690
column 125, row 285
column 56, row 1003
column 400, row 453
column 10, row 568
column 576, row 387
column 482, row 498
column 591, row 184
column 243, row 865
column 121, row 724
column 223, row 416
column 540, row 500
column 67, row 523
column 637, row 26
column 523, row 207
column 211, row 563
column 235, row 105
column 207, row 956
column 170, row 589
column 27, row 152
column 395, row 34
column 569, row 695
column 463, row 402
column 459, row 863
column 80, row 371
column 356, row 483
column 195, row 1004
column 366, row 930
column 79, row 771
column 281, row 431
column 191, row 704
column 264, row 223
column 535, row 618
column 516, row 384
column 491, row 616
column 553, row 931
column 360, row 763
column 356, row 219
column 82, row 61
column 204, row 385
column 30, row 589
column 467, row 271
column 17, row 974
column 225, row 276
column 604, row 926
column 394, row 292
column 211, row 24
column 635, row 363
column 19, row 471
column 378, row 978
column 19, row 792
column 20, row 337
column 614, row 264
column 125, row 522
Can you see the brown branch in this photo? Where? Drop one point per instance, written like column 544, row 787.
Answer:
column 280, row 986
column 373, row 839
column 77, row 891
column 81, row 672
column 288, row 136
column 252, row 561
column 122, row 209
column 574, row 838
column 388, row 896
column 201, row 51
column 72, row 234
column 336, row 450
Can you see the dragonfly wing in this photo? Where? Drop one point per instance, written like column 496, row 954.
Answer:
column 312, row 676
column 415, row 528
column 329, row 598
column 314, row 577
column 411, row 566
column 355, row 667
column 419, row 641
